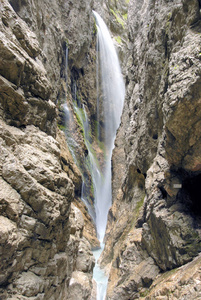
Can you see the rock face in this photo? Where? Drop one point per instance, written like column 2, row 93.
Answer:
column 40, row 248
column 44, row 254
column 154, row 222
column 180, row 283
column 25, row 89
column 115, row 15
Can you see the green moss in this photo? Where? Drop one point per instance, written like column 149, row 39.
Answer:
column 167, row 28
column 168, row 23
column 79, row 121
column 67, row 42
column 144, row 293
column 119, row 20
column 125, row 16
column 138, row 206
column 137, row 211
column 95, row 28
column 92, row 189
column 118, row 39
column 169, row 16
column 61, row 127
column 102, row 147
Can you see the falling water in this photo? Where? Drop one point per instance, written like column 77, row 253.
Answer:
column 112, row 91
column 110, row 98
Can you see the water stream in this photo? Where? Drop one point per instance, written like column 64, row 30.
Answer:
column 110, row 98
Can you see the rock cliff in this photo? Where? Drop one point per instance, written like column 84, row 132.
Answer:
column 44, row 254
column 154, row 222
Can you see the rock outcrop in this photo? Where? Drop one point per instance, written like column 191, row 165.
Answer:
column 39, row 246
column 44, row 254
column 154, row 222
column 180, row 283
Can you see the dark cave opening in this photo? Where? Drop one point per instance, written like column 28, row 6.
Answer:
column 163, row 192
column 191, row 194
column 15, row 5
column 155, row 136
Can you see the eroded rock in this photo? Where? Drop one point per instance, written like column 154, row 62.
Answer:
column 156, row 160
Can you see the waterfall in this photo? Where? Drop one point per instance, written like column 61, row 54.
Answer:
column 110, row 99
column 112, row 91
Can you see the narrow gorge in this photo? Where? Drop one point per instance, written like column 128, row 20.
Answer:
column 59, row 154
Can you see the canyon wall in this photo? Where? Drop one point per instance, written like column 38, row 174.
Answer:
column 44, row 254
column 47, row 60
column 153, row 238
column 154, row 222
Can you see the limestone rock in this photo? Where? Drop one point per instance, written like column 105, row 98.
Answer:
column 94, row 291
column 35, row 199
column 11, row 205
column 29, row 284
column 156, row 159
column 183, row 282
column 76, row 221
column 68, row 164
column 131, row 268
column 42, row 235
column 9, row 244
column 58, row 26
column 89, row 230
column 79, row 287
column 85, row 260
column 25, row 89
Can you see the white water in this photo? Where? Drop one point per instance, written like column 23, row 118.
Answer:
column 112, row 89
column 99, row 276
column 110, row 98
